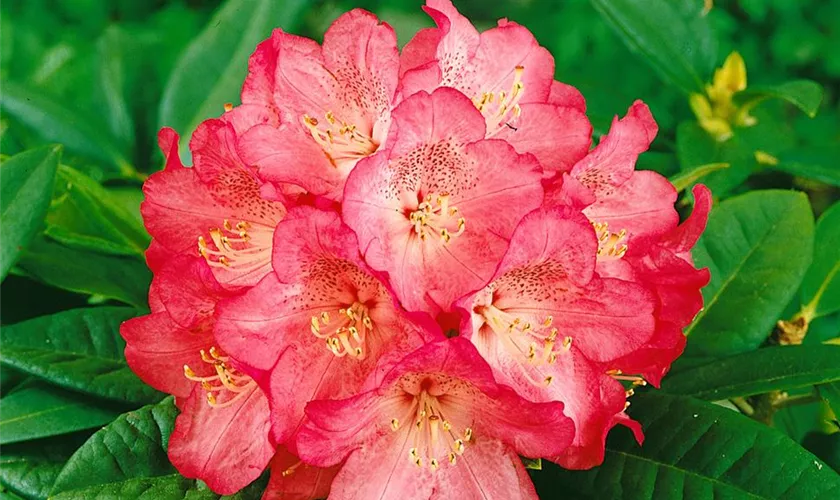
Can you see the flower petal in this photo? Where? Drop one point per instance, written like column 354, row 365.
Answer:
column 558, row 136
column 427, row 162
column 683, row 238
column 225, row 447
column 562, row 94
column 157, row 349
column 643, row 207
column 188, row 289
column 293, row 480
column 611, row 163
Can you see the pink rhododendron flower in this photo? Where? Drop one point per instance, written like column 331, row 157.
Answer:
column 666, row 267
column 331, row 104
column 221, row 435
column 436, row 209
column 319, row 323
column 292, row 479
column 454, row 181
column 614, row 195
column 215, row 208
column 638, row 239
column 509, row 78
column 551, row 327
column 438, row 426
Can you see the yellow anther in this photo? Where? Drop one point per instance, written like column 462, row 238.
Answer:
column 395, row 424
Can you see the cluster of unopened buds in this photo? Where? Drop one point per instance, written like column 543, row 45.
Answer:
column 393, row 274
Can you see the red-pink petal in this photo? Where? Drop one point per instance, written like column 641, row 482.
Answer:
column 558, row 136
column 643, row 206
column 612, row 162
column 683, row 238
column 479, row 178
column 225, row 447
column 157, row 349
column 565, row 95
column 292, row 479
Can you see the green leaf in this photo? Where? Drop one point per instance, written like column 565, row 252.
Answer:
column 757, row 247
column 56, row 123
column 821, row 285
column 684, row 180
column 696, row 450
column 111, row 51
column 30, row 468
column 122, row 278
column 830, row 393
column 80, row 349
column 40, row 411
column 532, row 463
column 85, row 216
column 804, row 94
column 696, row 148
column 211, row 70
column 780, row 368
column 169, row 487
column 672, row 36
column 132, row 446
column 818, row 165
column 26, row 182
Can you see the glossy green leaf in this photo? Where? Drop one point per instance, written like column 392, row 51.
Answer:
column 804, row 94
column 695, row 450
column 821, row 285
column 8, row 495
column 39, row 411
column 111, row 56
column 169, row 487
column 830, row 393
column 131, row 447
column 26, row 182
column 672, row 36
column 812, row 164
column 211, row 71
column 80, row 349
column 684, row 180
column 31, row 468
column 85, row 216
column 757, row 247
column 780, row 368
column 532, row 463
column 824, row 446
column 125, row 279
column 696, row 148
column 54, row 122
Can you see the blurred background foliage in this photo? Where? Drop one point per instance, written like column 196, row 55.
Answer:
column 101, row 77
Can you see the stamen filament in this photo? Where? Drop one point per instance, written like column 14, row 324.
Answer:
column 342, row 141
column 347, row 335
column 434, row 216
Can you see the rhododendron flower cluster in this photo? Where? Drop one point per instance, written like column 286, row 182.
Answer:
column 395, row 273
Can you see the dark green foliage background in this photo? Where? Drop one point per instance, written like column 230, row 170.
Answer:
column 99, row 78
